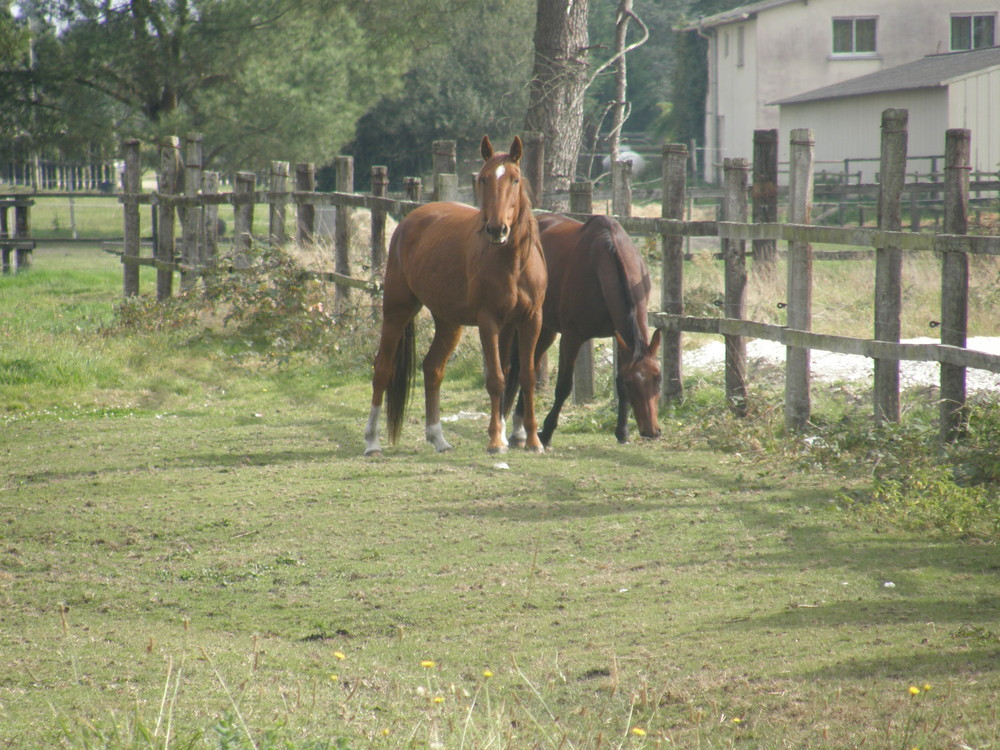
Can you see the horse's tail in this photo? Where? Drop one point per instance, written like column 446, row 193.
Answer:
column 398, row 392
column 513, row 379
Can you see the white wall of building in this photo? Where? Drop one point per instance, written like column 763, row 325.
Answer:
column 788, row 50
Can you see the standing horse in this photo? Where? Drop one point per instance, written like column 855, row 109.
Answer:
column 470, row 267
column 598, row 286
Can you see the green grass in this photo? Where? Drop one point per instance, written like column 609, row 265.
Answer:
column 195, row 554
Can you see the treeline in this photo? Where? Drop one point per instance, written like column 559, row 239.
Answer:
column 266, row 79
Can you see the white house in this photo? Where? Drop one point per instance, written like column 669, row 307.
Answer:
column 955, row 90
column 768, row 51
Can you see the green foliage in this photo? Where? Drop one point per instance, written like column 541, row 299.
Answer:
column 470, row 84
column 262, row 79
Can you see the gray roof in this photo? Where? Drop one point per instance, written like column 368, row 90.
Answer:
column 932, row 71
column 736, row 14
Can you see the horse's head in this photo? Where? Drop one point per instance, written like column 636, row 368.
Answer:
column 640, row 374
column 501, row 193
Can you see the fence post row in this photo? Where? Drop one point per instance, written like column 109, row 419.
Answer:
column 276, row 230
column 131, row 186
column 181, row 181
column 675, row 158
column 798, row 304
column 765, row 196
column 244, row 187
column 305, row 213
column 734, row 208
column 345, row 228
column 191, row 214
column 889, row 262
column 167, row 181
column 955, row 283
column 210, row 219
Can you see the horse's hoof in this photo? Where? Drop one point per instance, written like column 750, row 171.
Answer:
column 375, row 453
column 516, row 442
column 494, row 450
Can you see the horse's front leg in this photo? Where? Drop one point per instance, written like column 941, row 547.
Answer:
column 446, row 338
column 527, row 338
column 489, row 336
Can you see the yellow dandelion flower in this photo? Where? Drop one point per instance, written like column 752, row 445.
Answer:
column 339, row 655
column 914, row 690
column 638, row 731
column 334, row 678
column 427, row 664
column 737, row 720
column 385, row 732
column 927, row 686
column 487, row 674
column 439, row 699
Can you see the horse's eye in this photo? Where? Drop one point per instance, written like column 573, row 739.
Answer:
column 517, row 181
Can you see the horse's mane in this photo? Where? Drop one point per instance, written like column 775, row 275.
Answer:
column 607, row 235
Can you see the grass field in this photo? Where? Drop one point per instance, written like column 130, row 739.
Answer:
column 194, row 553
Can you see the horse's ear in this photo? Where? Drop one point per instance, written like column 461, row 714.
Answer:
column 516, row 149
column 486, row 148
column 654, row 343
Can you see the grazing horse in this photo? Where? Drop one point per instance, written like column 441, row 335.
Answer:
column 598, row 286
column 470, row 267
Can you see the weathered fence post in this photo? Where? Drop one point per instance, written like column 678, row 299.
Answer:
column 533, row 165
column 345, row 227
column 244, row 187
column 167, row 179
column 444, row 165
column 131, row 186
column 210, row 222
column 305, row 213
column 799, row 281
column 889, row 261
column 380, row 189
column 765, row 197
column 675, row 160
column 734, row 208
column 621, row 188
column 276, row 226
column 191, row 215
column 581, row 201
column 413, row 186
column 955, row 283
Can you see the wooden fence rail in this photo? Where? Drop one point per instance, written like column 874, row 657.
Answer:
column 888, row 243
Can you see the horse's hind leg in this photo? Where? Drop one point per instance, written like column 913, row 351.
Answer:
column 446, row 338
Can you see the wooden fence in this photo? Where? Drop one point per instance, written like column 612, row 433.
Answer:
column 184, row 188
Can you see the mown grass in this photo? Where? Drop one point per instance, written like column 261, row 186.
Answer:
column 195, row 554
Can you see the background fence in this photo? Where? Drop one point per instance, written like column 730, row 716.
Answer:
column 185, row 190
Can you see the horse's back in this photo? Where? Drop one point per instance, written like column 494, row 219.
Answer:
column 586, row 279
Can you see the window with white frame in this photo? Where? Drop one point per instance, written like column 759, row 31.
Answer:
column 973, row 31
column 854, row 36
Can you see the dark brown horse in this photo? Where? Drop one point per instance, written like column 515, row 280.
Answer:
column 598, row 286
column 470, row 267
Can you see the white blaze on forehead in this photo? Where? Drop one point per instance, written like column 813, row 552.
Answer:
column 501, row 170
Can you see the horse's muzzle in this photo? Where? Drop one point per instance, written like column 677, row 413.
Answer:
column 498, row 235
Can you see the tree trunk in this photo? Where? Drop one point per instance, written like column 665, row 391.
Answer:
column 558, row 83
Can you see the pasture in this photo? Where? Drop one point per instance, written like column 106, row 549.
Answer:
column 194, row 553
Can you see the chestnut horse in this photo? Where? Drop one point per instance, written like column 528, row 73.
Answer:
column 470, row 267
column 598, row 286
